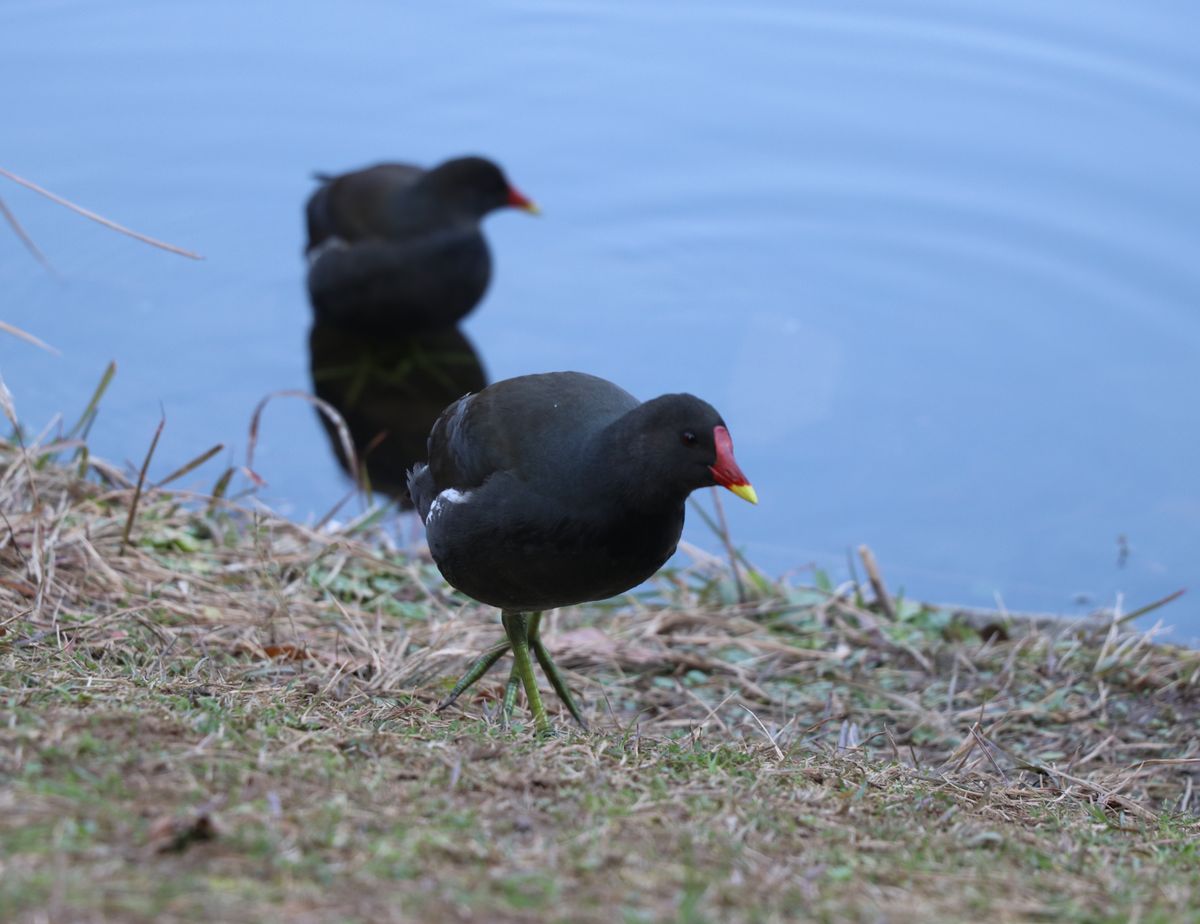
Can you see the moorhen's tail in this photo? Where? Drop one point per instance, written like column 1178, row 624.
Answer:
column 317, row 218
column 421, row 489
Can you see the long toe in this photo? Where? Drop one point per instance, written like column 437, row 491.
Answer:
column 481, row 666
column 550, row 669
column 510, row 695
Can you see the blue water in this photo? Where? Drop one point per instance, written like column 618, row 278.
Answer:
column 934, row 262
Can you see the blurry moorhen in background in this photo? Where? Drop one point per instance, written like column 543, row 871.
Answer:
column 398, row 249
column 548, row 490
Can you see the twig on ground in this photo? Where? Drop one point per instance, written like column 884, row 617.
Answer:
column 876, row 579
column 137, row 491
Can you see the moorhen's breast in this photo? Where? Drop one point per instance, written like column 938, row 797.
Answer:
column 508, row 545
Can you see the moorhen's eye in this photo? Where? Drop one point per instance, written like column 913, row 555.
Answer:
column 688, row 438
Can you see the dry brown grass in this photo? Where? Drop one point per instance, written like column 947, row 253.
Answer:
column 228, row 717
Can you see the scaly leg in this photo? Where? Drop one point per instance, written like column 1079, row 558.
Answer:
column 516, row 625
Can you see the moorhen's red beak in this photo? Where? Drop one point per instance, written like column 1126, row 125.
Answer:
column 519, row 200
column 726, row 471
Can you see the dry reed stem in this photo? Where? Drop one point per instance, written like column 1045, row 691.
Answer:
column 100, row 219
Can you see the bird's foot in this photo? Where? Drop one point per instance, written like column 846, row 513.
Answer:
column 481, row 666
column 524, row 639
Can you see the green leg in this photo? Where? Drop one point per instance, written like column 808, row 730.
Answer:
column 478, row 669
column 551, row 670
column 510, row 694
column 516, row 625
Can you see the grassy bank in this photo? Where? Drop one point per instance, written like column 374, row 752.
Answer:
column 209, row 713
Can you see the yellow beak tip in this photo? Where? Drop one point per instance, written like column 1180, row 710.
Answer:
column 533, row 208
column 745, row 492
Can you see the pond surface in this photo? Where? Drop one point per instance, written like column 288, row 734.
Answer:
column 935, row 262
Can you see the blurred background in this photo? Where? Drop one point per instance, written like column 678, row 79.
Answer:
column 934, row 262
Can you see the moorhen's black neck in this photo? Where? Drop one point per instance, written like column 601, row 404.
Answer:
column 456, row 193
column 420, row 210
column 643, row 458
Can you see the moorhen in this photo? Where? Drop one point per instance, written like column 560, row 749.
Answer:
column 548, row 490
column 398, row 249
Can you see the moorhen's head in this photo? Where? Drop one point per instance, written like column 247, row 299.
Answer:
column 470, row 187
column 683, row 445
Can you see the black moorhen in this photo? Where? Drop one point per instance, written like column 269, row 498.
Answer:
column 397, row 249
column 548, row 490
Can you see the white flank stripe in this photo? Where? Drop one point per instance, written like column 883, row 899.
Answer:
column 330, row 243
column 449, row 496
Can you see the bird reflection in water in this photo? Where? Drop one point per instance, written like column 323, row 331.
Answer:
column 389, row 391
column 396, row 258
